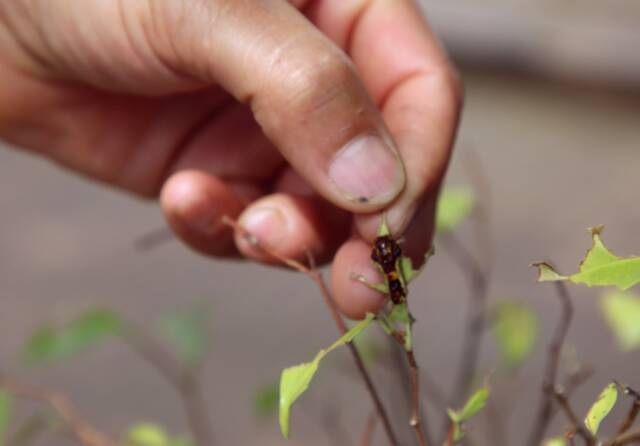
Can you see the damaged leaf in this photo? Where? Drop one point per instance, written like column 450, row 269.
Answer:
column 600, row 267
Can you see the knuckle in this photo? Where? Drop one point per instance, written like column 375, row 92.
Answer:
column 319, row 84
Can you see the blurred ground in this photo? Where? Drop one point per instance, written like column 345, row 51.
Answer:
column 559, row 158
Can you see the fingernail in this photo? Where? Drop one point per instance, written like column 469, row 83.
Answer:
column 266, row 223
column 366, row 170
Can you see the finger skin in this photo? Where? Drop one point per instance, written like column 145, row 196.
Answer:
column 194, row 204
column 354, row 299
column 293, row 226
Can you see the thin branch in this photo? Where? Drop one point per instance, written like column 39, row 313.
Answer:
column 476, row 316
column 316, row 276
column 84, row 432
column 545, row 410
column 625, row 439
column 369, row 430
column 576, row 426
column 415, row 421
column 185, row 380
column 634, row 410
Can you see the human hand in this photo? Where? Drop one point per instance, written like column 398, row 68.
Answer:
column 304, row 128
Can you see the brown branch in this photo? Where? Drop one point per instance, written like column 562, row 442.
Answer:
column 369, row 430
column 476, row 316
column 82, row 430
column 624, row 439
column 576, row 426
column 545, row 410
column 634, row 410
column 185, row 380
column 316, row 276
column 415, row 420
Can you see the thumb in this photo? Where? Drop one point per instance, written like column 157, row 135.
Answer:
column 304, row 92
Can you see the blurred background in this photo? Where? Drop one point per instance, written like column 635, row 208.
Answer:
column 552, row 118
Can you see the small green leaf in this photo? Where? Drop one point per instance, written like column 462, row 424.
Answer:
column 474, row 404
column 600, row 267
column 406, row 269
column 601, row 408
column 49, row 344
column 265, row 400
column 5, row 415
column 186, row 330
column 147, row 434
column 383, row 229
column 515, row 330
column 295, row 380
column 454, row 206
column 622, row 312
column 558, row 441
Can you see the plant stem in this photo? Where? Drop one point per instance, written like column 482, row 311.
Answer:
column 576, row 426
column 84, row 432
column 545, row 410
column 185, row 380
column 317, row 277
column 476, row 317
column 633, row 411
column 369, row 430
column 414, row 376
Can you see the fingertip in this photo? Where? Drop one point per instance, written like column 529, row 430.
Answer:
column 354, row 299
column 194, row 204
column 284, row 223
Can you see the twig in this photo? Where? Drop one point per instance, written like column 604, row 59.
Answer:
column 369, row 430
column 316, row 276
column 476, row 316
column 415, row 420
column 624, row 439
column 185, row 380
column 545, row 410
column 576, row 426
column 633, row 411
column 82, row 430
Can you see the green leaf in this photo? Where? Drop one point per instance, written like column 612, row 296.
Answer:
column 295, row 380
column 383, row 229
column 5, row 415
column 265, row 400
column 474, row 404
column 558, row 441
column 515, row 330
column 622, row 312
column 600, row 267
column 601, row 408
column 147, row 434
column 454, row 206
column 186, row 330
column 49, row 344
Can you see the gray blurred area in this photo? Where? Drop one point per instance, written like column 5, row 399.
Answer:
column 553, row 115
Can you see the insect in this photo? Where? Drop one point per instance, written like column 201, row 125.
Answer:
column 396, row 269
column 386, row 255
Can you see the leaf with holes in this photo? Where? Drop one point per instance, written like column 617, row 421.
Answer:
column 600, row 267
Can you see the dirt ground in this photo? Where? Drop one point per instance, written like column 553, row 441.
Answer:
column 559, row 160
